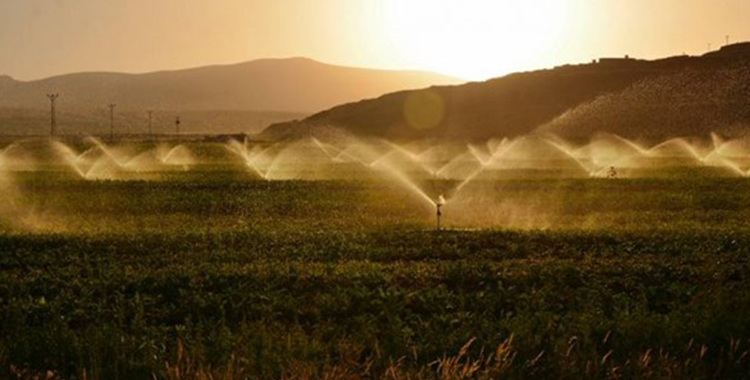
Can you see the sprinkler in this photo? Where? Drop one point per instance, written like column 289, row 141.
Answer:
column 612, row 173
column 439, row 210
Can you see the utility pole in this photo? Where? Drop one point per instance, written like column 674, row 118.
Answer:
column 112, row 121
column 53, row 117
column 150, row 122
column 709, row 47
column 177, row 123
column 727, row 41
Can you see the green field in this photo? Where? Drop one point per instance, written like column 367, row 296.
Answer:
column 213, row 273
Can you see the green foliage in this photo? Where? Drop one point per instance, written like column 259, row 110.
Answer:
column 209, row 273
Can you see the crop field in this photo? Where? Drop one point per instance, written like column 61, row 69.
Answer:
column 195, row 266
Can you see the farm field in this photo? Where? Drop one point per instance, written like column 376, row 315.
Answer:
column 205, row 270
column 374, row 190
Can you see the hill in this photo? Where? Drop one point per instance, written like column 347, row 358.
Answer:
column 287, row 85
column 693, row 102
column 292, row 87
column 637, row 98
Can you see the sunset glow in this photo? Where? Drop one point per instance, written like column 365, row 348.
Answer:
column 470, row 39
column 475, row 38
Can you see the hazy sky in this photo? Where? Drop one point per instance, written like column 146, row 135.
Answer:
column 473, row 39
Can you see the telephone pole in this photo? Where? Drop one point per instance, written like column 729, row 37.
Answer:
column 53, row 114
column 112, row 120
column 727, row 41
column 177, row 123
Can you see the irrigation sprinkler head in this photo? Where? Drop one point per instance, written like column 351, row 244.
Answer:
column 439, row 203
column 612, row 173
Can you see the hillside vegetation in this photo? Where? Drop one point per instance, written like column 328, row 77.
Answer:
column 644, row 99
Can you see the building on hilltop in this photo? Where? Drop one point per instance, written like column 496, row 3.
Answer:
column 616, row 61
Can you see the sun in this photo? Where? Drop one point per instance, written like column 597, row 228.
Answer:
column 475, row 39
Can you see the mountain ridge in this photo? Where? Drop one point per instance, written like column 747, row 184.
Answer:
column 299, row 85
column 226, row 65
column 522, row 103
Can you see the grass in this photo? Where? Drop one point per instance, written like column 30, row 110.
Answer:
column 211, row 274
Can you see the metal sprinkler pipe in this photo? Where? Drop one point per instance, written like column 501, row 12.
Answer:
column 439, row 215
column 439, row 212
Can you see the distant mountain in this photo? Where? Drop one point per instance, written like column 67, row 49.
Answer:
column 288, row 85
column 294, row 87
column 636, row 98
